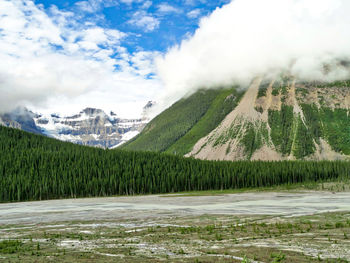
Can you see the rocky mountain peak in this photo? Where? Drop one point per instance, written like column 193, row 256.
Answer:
column 149, row 104
column 146, row 110
column 93, row 111
column 91, row 126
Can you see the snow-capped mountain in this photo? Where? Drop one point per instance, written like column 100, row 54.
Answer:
column 91, row 126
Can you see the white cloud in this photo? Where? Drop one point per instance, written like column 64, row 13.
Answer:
column 147, row 4
column 91, row 6
column 247, row 38
column 92, row 38
column 194, row 13
column 144, row 20
column 166, row 8
column 143, row 62
column 46, row 60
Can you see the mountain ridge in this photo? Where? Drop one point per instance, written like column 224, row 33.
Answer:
column 91, row 126
column 275, row 119
column 168, row 131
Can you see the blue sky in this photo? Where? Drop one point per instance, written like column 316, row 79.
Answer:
column 61, row 56
column 167, row 23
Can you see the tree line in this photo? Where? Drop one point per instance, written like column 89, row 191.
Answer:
column 34, row 167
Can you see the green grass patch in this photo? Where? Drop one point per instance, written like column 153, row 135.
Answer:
column 10, row 246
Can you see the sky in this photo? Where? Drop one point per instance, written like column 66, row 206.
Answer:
column 63, row 55
column 306, row 39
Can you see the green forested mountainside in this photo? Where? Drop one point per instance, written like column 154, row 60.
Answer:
column 289, row 134
column 289, row 120
column 194, row 116
column 288, row 130
column 222, row 105
column 336, row 128
column 34, row 167
column 323, row 115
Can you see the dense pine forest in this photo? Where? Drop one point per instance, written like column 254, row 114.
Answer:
column 33, row 167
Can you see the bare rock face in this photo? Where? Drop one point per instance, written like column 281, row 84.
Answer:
column 91, row 126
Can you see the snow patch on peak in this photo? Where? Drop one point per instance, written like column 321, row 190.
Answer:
column 126, row 137
column 90, row 127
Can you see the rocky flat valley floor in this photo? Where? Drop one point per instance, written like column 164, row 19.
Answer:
column 285, row 226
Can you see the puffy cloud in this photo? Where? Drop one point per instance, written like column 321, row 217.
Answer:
column 91, row 6
column 246, row 38
column 49, row 59
column 143, row 62
column 194, row 13
column 144, row 20
column 147, row 4
column 166, row 8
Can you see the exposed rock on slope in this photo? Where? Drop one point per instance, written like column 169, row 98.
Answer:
column 219, row 144
column 281, row 119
